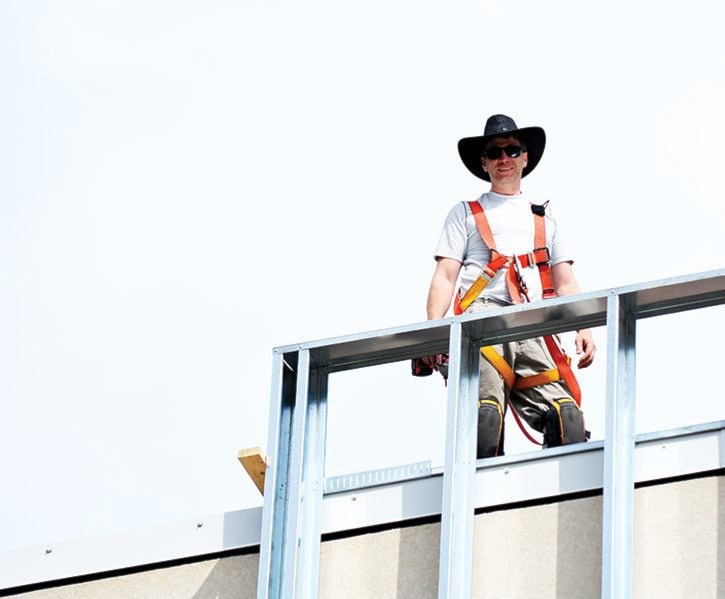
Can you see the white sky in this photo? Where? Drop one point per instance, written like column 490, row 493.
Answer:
column 185, row 185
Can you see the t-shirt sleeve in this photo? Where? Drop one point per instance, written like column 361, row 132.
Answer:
column 560, row 249
column 454, row 236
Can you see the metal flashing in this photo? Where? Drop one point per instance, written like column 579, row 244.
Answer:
column 206, row 535
column 383, row 476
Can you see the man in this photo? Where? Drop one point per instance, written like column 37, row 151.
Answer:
column 507, row 248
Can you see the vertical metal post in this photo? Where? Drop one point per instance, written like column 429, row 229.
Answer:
column 290, row 540
column 454, row 579
column 284, row 380
column 313, row 484
column 617, row 517
column 289, row 553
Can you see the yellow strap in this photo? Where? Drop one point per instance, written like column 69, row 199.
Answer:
column 509, row 377
column 499, row 364
column 473, row 292
column 487, row 274
column 527, row 382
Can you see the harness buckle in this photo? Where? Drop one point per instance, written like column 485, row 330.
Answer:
column 519, row 279
column 544, row 249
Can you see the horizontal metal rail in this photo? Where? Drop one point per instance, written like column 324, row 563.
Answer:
column 289, row 559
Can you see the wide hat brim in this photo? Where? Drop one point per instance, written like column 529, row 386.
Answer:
column 471, row 149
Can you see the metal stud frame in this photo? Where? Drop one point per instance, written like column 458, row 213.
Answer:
column 291, row 523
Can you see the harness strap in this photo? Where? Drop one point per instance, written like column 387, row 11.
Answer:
column 482, row 225
column 500, row 365
column 540, row 257
column 535, row 380
column 547, row 281
column 525, row 382
column 514, row 282
column 561, row 372
column 509, row 378
column 563, row 363
column 487, row 274
column 522, row 428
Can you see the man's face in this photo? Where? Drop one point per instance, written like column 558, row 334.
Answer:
column 504, row 168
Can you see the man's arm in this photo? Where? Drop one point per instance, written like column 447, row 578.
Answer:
column 442, row 287
column 565, row 283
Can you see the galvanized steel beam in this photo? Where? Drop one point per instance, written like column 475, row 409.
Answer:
column 274, row 515
column 653, row 298
column 313, row 484
column 290, row 543
column 618, row 481
column 454, row 578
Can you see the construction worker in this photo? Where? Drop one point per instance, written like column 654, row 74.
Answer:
column 508, row 248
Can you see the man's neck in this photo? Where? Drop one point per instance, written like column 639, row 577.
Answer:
column 507, row 190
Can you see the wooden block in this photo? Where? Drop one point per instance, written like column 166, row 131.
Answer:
column 255, row 464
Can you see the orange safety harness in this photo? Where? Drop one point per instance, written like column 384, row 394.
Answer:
column 540, row 257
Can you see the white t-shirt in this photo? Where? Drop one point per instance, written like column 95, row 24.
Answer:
column 512, row 224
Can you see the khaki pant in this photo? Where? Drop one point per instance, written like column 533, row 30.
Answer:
column 526, row 357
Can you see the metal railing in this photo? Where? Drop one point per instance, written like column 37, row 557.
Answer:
column 291, row 523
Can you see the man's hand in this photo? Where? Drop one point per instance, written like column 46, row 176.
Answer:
column 565, row 283
column 585, row 348
column 429, row 360
column 438, row 362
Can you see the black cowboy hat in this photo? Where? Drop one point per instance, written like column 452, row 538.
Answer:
column 499, row 125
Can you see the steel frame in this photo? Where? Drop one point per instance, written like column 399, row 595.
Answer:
column 291, row 522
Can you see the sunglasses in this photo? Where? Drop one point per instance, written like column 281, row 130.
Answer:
column 494, row 152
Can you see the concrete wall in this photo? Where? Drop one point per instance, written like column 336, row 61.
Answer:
column 217, row 578
column 543, row 551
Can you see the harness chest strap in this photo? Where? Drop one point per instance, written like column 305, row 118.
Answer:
column 539, row 256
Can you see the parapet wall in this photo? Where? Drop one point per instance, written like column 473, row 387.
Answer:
column 550, row 550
